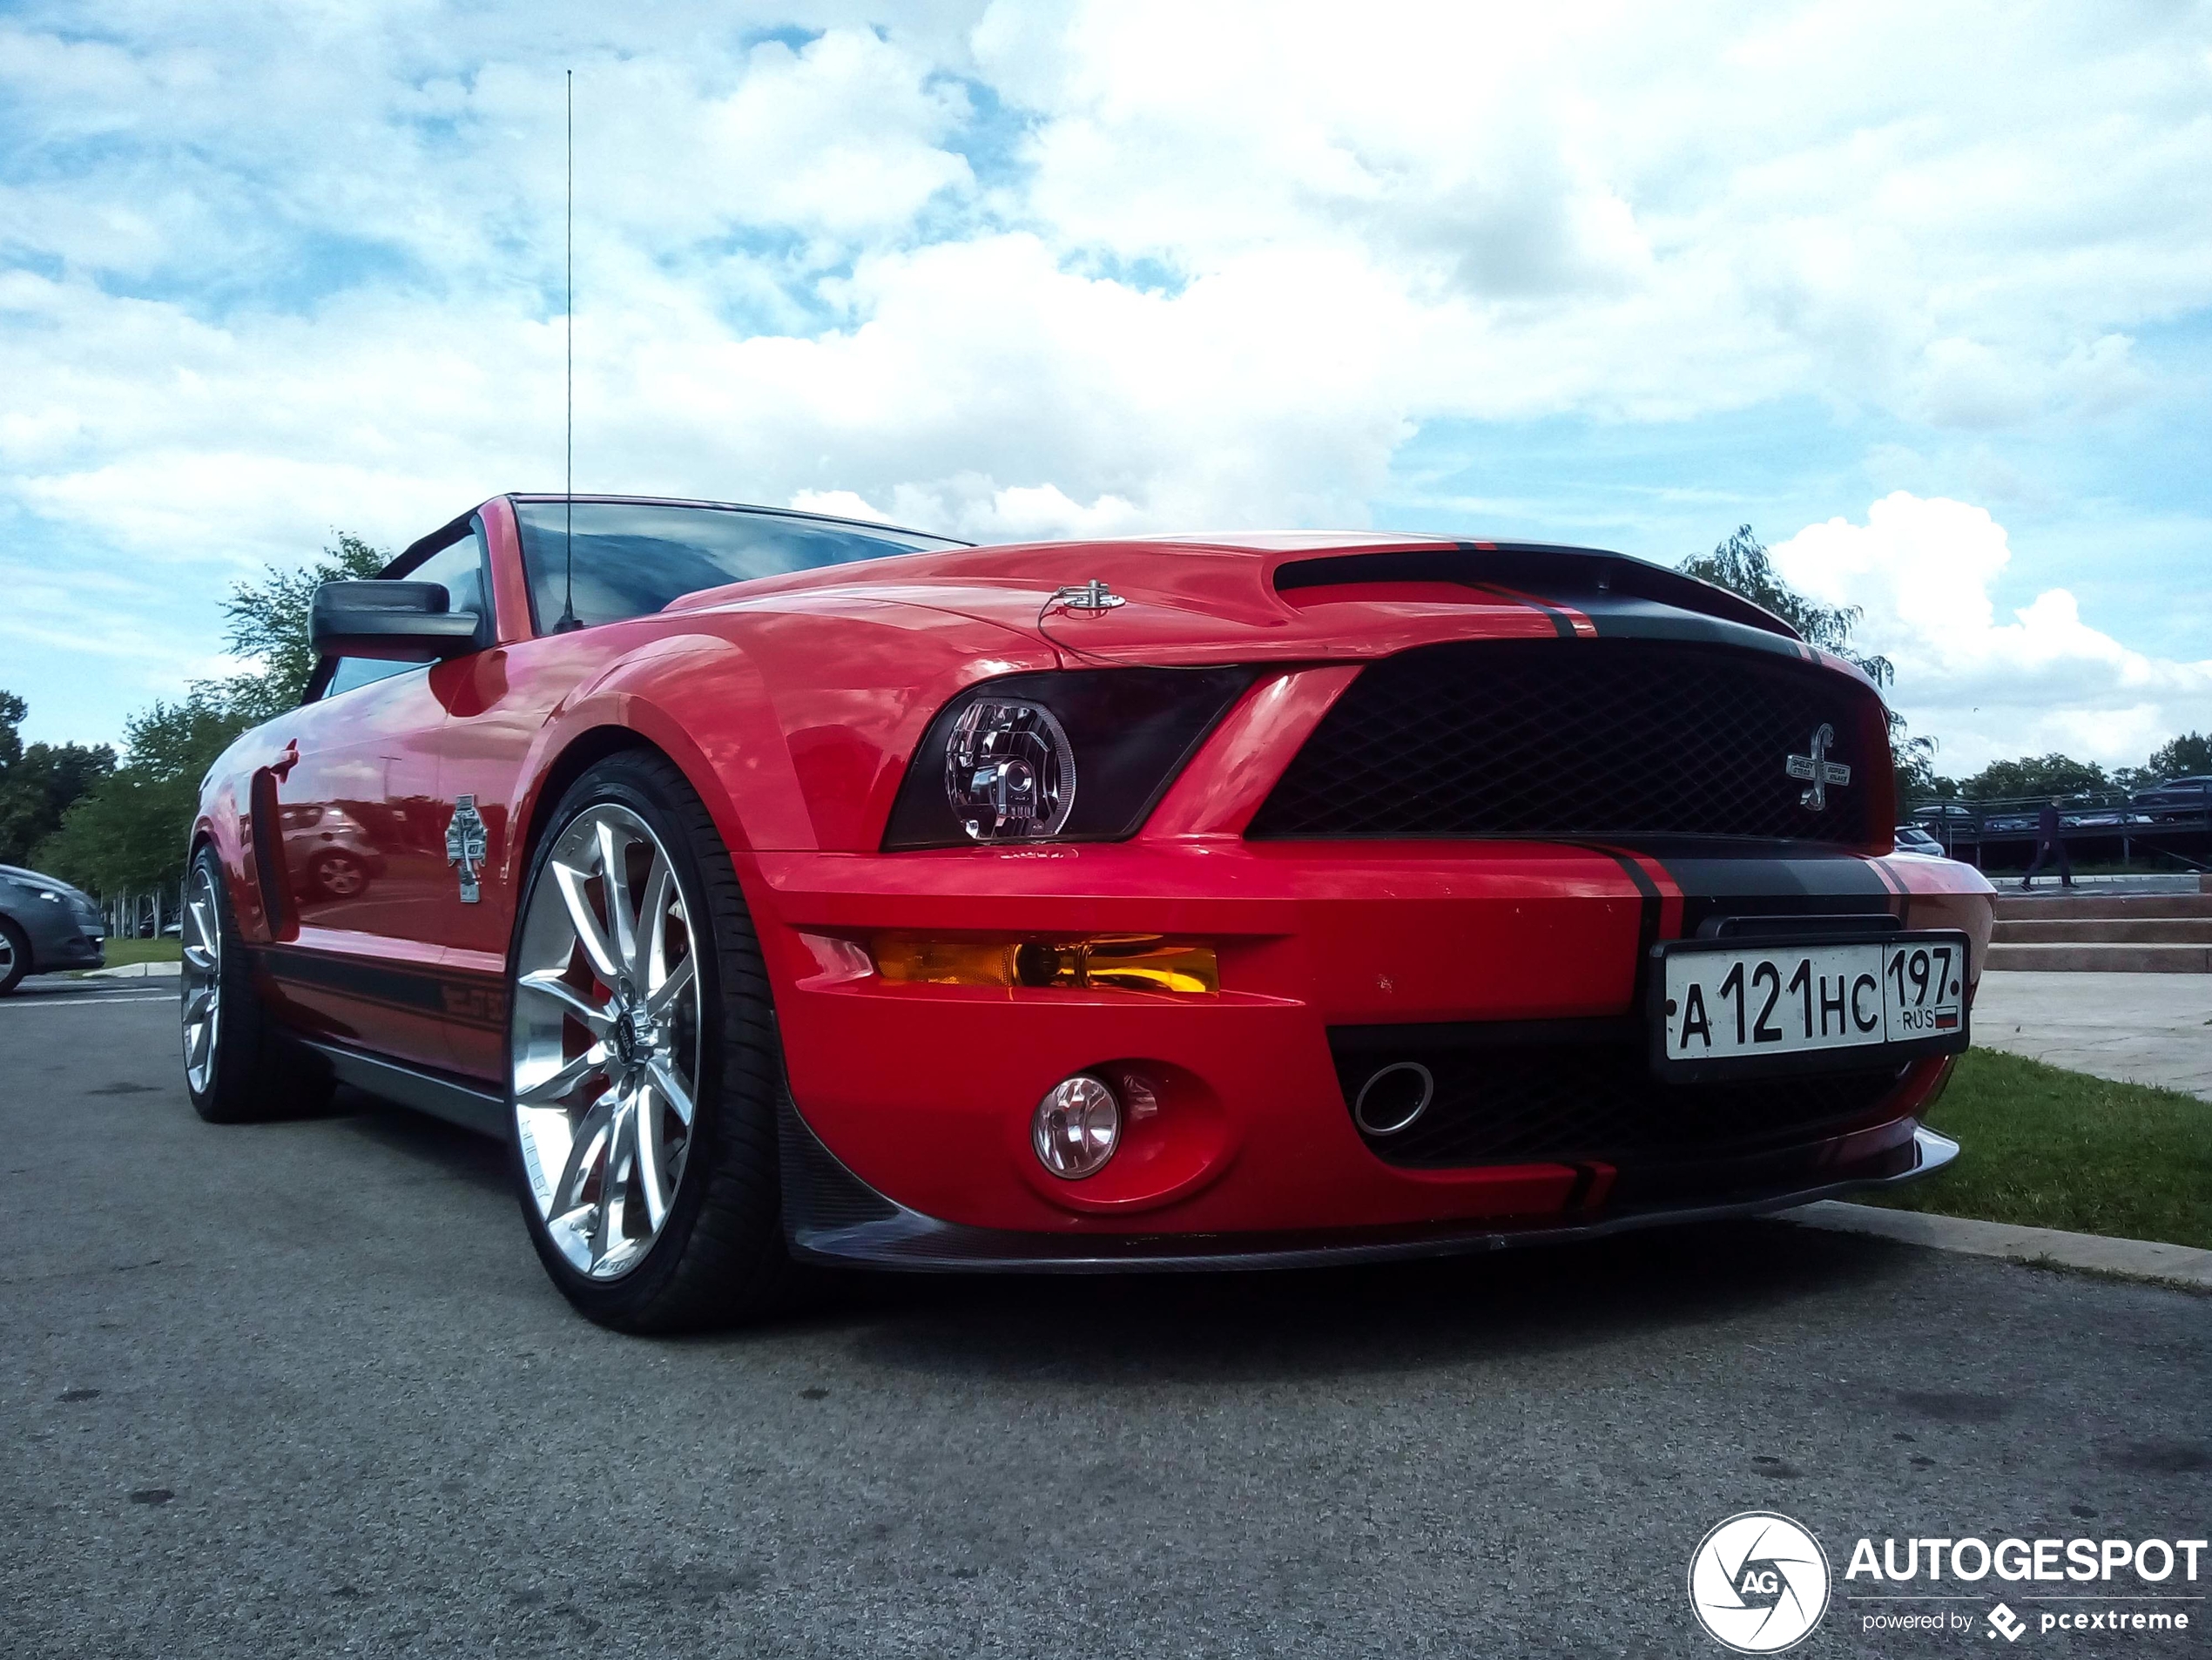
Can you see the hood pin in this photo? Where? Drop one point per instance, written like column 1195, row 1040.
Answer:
column 1094, row 597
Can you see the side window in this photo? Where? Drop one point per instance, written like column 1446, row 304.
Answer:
column 362, row 670
column 459, row 570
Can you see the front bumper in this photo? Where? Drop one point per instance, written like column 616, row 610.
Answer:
column 831, row 1218
column 920, row 1095
column 61, row 938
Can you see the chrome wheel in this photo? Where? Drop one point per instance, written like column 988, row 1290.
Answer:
column 603, row 1054
column 201, row 991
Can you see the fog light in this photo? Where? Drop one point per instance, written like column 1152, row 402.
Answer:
column 1077, row 1127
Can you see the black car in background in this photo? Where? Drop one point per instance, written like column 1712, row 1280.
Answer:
column 2176, row 801
column 45, row 924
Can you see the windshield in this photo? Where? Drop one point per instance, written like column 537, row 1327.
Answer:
column 634, row 557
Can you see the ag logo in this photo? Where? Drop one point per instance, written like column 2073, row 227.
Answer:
column 1758, row 1584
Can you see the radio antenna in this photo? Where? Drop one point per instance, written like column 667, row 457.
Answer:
column 568, row 484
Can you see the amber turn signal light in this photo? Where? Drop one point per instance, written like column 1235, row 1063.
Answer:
column 1123, row 961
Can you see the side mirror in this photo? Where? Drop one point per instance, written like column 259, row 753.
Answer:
column 404, row 621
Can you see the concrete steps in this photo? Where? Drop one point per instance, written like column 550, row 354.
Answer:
column 2145, row 933
column 2101, row 931
column 2103, row 958
column 2048, row 904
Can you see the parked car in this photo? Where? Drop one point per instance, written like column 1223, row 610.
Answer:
column 1948, row 823
column 2100, row 818
column 1948, row 818
column 786, row 888
column 1911, row 837
column 45, row 925
column 2018, row 821
column 2176, row 801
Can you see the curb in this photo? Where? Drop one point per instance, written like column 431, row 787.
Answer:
column 134, row 971
column 2169, row 1265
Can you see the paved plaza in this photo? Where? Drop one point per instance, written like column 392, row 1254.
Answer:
column 2136, row 1027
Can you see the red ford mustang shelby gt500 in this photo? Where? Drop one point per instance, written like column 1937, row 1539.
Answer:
column 783, row 889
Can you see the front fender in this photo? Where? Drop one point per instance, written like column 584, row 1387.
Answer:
column 646, row 692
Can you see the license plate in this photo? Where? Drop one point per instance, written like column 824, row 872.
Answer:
column 1724, row 1007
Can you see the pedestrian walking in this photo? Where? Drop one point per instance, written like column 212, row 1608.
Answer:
column 2050, row 845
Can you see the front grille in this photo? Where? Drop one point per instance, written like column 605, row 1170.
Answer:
column 1602, row 739
column 1576, row 1101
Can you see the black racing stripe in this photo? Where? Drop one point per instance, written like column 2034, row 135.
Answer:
column 1770, row 884
column 1562, row 624
column 1578, row 1195
column 1626, row 616
column 465, row 999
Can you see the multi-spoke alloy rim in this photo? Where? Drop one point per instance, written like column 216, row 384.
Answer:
column 202, row 984
column 605, row 1043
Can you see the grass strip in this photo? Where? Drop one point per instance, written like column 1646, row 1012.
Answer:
column 122, row 953
column 2047, row 1148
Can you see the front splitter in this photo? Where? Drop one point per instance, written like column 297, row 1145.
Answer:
column 831, row 1218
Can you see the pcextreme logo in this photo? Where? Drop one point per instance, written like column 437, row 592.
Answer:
column 1758, row 1582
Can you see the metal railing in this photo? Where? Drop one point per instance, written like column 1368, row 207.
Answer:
column 2172, row 822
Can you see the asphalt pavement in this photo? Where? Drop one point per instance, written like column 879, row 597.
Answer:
column 302, row 1388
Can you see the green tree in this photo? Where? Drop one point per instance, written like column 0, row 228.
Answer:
column 1742, row 565
column 38, row 782
column 2187, row 756
column 2043, row 777
column 129, row 831
column 268, row 623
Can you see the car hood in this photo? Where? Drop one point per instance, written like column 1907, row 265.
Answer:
column 1285, row 596
column 18, row 874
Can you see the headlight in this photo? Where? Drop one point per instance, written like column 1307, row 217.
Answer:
column 1000, row 762
column 1010, row 771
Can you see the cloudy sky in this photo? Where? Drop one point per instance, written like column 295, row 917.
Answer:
column 1924, row 293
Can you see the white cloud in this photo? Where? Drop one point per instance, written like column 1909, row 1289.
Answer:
column 1924, row 569
column 1037, row 267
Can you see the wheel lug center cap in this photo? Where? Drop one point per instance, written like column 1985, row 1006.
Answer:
column 633, row 1036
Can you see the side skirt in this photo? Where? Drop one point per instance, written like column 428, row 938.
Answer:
column 431, row 1092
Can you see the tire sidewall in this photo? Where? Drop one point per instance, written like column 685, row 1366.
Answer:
column 644, row 790
column 20, row 965
column 236, row 1024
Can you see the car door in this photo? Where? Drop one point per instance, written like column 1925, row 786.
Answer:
column 362, row 829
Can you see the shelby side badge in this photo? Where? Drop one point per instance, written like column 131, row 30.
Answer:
column 465, row 845
column 1758, row 1584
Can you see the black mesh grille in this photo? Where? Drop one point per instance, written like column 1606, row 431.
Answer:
column 1570, row 1101
column 1597, row 739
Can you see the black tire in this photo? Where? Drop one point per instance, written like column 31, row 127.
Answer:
column 257, row 1071
column 340, row 874
column 720, row 1258
column 15, row 949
